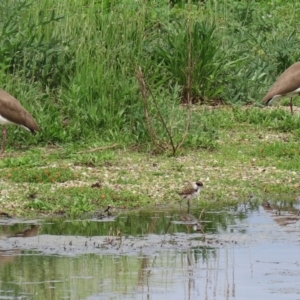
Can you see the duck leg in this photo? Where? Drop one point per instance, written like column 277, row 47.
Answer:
column 291, row 106
column 3, row 138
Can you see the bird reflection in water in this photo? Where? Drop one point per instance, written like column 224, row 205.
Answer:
column 33, row 230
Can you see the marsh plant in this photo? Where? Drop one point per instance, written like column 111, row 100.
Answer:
column 191, row 56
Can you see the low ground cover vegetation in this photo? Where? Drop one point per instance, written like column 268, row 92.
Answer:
column 174, row 87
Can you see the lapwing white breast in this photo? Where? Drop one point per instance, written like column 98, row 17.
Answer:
column 287, row 85
column 12, row 112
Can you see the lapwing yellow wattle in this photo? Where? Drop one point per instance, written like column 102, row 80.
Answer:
column 12, row 112
column 287, row 85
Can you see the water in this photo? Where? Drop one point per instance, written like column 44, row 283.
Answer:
column 242, row 253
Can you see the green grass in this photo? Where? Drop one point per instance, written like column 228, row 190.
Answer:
column 250, row 161
column 37, row 175
column 74, row 67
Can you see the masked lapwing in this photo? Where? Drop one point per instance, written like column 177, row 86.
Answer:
column 287, row 85
column 12, row 112
column 190, row 192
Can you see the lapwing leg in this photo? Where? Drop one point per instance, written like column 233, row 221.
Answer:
column 3, row 138
column 188, row 203
column 291, row 106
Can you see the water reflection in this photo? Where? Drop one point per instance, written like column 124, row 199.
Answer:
column 242, row 253
column 134, row 224
column 98, row 277
column 208, row 273
column 190, row 221
column 31, row 231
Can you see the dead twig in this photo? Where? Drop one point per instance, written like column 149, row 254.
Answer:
column 145, row 90
column 189, row 86
column 159, row 144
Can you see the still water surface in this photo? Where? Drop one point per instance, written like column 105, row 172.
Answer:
column 241, row 253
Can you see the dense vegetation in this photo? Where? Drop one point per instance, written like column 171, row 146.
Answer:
column 74, row 64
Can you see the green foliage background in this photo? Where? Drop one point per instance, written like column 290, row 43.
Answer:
column 72, row 63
